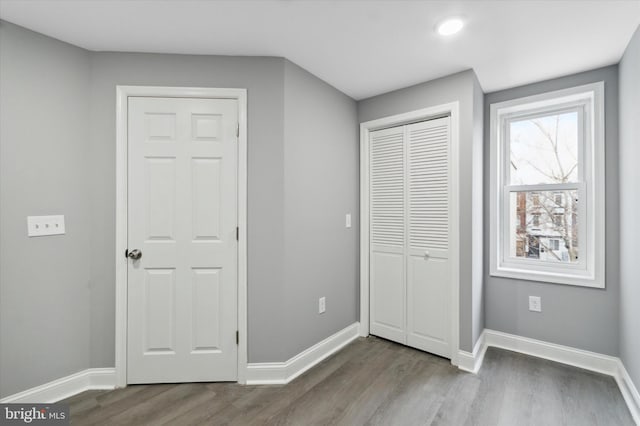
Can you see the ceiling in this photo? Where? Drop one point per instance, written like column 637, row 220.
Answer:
column 361, row 47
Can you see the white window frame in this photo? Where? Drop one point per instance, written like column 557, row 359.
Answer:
column 589, row 271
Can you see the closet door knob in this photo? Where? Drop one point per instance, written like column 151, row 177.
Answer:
column 134, row 254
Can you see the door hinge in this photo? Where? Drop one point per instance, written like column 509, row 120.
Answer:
column 238, row 130
column 237, row 233
column 237, row 337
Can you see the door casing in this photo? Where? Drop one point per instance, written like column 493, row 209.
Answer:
column 122, row 95
column 452, row 110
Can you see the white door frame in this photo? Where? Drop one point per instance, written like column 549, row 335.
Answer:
column 122, row 95
column 452, row 110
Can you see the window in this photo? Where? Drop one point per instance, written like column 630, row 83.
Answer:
column 547, row 187
column 536, row 219
column 558, row 223
column 558, row 199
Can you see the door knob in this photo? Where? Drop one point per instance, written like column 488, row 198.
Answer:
column 134, row 254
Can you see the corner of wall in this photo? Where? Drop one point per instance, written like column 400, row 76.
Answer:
column 44, row 123
column 592, row 322
column 320, row 187
column 477, row 226
column 628, row 176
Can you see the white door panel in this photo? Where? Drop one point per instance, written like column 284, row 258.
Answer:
column 410, row 204
column 182, row 204
column 159, row 289
column 428, row 305
column 388, row 295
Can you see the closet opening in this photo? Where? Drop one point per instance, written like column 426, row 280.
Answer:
column 409, row 229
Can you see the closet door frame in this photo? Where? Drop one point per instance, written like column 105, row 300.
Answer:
column 451, row 110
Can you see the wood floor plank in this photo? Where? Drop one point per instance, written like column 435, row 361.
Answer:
column 324, row 403
column 274, row 401
column 419, row 398
column 103, row 412
column 387, row 382
column 376, row 382
column 456, row 407
column 176, row 400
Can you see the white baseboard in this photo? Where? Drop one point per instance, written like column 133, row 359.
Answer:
column 471, row 362
column 276, row 373
column 263, row 373
column 629, row 391
column 65, row 387
column 587, row 360
column 284, row 372
column 592, row 361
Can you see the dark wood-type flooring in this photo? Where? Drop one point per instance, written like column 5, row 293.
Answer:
column 376, row 382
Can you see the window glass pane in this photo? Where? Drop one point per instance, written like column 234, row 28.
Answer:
column 544, row 149
column 544, row 226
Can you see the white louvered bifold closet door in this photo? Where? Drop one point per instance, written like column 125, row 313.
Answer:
column 409, row 235
column 428, row 266
column 387, row 242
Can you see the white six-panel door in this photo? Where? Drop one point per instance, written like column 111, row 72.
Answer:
column 409, row 235
column 182, row 213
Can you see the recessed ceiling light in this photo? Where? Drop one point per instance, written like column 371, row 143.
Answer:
column 450, row 26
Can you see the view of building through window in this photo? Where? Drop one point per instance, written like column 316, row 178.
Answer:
column 546, row 230
column 544, row 153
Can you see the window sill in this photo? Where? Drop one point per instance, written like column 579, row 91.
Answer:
column 548, row 277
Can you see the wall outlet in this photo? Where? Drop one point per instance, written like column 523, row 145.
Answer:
column 39, row 226
column 535, row 304
column 347, row 220
column 322, row 305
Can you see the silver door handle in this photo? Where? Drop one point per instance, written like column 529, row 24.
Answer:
column 134, row 254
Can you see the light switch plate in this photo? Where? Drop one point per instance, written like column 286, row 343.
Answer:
column 322, row 306
column 347, row 220
column 40, row 226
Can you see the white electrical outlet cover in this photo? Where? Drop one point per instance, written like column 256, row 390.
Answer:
column 535, row 304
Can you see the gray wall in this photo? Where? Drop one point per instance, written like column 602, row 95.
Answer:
column 282, row 309
column 477, row 200
column 580, row 317
column 321, row 156
column 65, row 133
column 264, row 80
column 44, row 281
column 58, row 147
column 461, row 87
column 630, row 207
